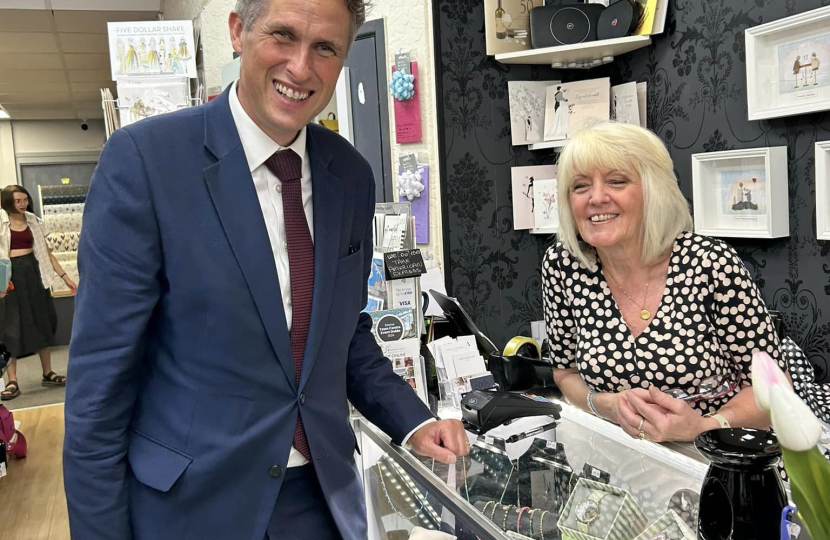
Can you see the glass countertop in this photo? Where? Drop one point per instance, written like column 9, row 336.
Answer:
column 536, row 473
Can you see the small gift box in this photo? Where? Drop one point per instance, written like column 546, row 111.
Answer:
column 670, row 526
column 597, row 511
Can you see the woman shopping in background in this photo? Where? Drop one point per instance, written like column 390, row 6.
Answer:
column 639, row 308
column 27, row 315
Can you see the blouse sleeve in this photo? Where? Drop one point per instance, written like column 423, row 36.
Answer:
column 738, row 313
column 558, row 316
column 44, row 229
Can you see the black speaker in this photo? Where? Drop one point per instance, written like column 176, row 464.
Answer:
column 551, row 26
column 620, row 19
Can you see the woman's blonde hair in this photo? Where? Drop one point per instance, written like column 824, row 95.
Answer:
column 625, row 147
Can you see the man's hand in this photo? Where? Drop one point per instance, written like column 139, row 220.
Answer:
column 660, row 416
column 442, row 440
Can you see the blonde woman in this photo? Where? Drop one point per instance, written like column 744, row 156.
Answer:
column 638, row 307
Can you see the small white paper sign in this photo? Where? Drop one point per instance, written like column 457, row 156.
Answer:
column 468, row 363
column 403, row 293
column 435, row 348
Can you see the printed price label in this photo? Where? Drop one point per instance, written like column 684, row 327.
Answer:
column 594, row 473
column 488, row 440
column 550, row 444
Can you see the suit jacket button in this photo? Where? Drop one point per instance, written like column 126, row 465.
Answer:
column 275, row 471
column 302, row 399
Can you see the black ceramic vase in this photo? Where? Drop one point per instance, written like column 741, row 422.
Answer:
column 742, row 496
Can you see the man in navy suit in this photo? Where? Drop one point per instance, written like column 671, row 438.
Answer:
column 218, row 334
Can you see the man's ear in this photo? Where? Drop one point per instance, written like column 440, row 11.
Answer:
column 237, row 28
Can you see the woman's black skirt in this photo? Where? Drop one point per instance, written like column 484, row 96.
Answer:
column 27, row 315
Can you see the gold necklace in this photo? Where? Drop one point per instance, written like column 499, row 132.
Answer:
column 644, row 313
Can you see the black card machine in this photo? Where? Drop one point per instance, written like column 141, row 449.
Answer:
column 483, row 410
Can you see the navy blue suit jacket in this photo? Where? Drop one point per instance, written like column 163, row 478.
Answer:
column 181, row 395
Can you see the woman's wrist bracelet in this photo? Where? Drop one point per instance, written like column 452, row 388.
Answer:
column 63, row 275
column 591, row 404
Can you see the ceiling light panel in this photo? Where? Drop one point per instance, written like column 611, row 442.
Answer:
column 112, row 5
column 30, row 61
column 22, row 4
column 25, row 20
column 95, row 22
column 27, row 42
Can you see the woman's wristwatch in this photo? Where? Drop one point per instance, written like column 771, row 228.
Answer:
column 588, row 510
column 724, row 423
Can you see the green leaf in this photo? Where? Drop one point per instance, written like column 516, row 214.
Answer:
column 809, row 474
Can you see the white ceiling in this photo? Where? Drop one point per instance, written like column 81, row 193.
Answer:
column 54, row 56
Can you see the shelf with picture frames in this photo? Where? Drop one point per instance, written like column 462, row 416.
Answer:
column 578, row 56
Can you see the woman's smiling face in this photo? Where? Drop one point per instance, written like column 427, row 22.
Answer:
column 607, row 207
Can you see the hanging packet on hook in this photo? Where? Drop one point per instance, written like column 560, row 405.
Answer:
column 402, row 63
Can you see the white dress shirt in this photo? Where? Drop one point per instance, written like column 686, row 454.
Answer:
column 258, row 147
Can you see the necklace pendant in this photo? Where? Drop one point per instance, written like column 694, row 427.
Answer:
column 645, row 314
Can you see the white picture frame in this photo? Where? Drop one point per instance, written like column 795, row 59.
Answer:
column 822, row 190
column 741, row 193
column 782, row 79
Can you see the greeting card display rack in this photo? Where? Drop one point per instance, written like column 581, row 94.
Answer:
column 62, row 210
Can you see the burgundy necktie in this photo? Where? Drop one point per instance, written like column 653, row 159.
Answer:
column 288, row 168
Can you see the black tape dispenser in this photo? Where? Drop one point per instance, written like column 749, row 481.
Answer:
column 520, row 366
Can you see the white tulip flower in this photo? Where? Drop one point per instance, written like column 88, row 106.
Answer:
column 796, row 427
column 765, row 375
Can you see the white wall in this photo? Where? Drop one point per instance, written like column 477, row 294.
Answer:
column 56, row 136
column 408, row 27
column 212, row 17
column 8, row 173
column 44, row 137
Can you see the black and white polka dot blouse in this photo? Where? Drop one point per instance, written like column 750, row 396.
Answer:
column 710, row 321
column 815, row 395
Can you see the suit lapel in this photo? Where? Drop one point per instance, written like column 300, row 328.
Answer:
column 327, row 194
column 231, row 187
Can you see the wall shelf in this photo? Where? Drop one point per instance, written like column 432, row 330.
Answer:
column 579, row 56
column 547, row 144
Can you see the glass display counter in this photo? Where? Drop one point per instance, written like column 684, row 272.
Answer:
column 521, row 489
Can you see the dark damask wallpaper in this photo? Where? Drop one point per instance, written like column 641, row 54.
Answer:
column 696, row 103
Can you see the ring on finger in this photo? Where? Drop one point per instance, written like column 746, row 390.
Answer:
column 641, row 435
column 640, row 425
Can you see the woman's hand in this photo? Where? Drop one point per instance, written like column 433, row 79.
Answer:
column 660, row 416
column 609, row 404
column 73, row 288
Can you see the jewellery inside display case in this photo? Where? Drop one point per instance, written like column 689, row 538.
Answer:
column 404, row 498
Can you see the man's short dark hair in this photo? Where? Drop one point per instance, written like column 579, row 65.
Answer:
column 7, row 198
column 250, row 10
